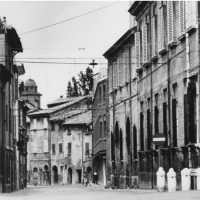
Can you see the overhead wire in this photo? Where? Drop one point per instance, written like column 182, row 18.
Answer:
column 69, row 19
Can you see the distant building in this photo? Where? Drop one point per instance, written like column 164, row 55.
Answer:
column 61, row 142
column 100, row 119
column 30, row 93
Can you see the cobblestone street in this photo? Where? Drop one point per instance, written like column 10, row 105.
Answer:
column 76, row 192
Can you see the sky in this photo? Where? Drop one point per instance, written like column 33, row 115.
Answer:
column 80, row 39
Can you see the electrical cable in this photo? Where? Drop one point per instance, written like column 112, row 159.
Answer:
column 63, row 21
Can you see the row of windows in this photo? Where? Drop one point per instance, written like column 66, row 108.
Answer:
column 69, row 148
column 165, row 25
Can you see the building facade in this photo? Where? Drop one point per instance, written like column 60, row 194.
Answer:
column 61, row 142
column 10, row 45
column 164, row 93
column 100, row 127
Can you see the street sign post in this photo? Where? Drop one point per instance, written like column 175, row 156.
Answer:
column 159, row 140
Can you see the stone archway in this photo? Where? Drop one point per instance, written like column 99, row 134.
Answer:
column 55, row 174
column 46, row 174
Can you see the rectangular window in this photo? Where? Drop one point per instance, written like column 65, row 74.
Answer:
column 110, row 78
column 86, row 148
column 156, row 115
column 126, row 61
column 144, row 44
column 186, row 138
column 149, row 134
column 104, row 126
column 174, row 122
column 69, row 149
column 101, row 129
column 141, row 131
column 170, row 22
column 165, row 123
column 120, row 71
column 60, row 148
column 115, row 75
column 53, row 148
column 137, row 49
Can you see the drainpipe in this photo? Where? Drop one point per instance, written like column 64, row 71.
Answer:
column 187, row 82
column 130, row 105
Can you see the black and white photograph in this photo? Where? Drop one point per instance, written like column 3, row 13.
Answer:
column 99, row 100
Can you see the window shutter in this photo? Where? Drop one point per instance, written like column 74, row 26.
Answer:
column 119, row 66
column 115, row 75
column 170, row 24
column 110, row 78
column 126, row 67
column 45, row 145
column 144, row 44
column 191, row 13
column 153, row 33
column 34, row 147
column 181, row 15
column 161, row 29
column 137, row 48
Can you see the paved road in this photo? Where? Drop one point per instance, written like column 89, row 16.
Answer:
column 79, row 192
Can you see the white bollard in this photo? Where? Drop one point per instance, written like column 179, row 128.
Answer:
column 171, row 180
column 198, row 178
column 160, row 174
column 185, row 179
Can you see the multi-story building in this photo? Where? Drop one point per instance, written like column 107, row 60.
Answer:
column 71, row 140
column 61, row 142
column 122, row 79
column 164, row 88
column 10, row 45
column 100, row 126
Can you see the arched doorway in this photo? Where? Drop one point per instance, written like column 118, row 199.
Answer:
column 69, row 177
column 35, row 176
column 46, row 174
column 55, row 174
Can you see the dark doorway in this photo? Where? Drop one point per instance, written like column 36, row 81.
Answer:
column 46, row 174
column 69, row 176
column 135, row 142
column 55, row 174
column 79, row 175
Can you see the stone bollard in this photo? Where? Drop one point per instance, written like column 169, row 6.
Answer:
column 160, row 174
column 112, row 181
column 198, row 178
column 171, row 180
column 185, row 179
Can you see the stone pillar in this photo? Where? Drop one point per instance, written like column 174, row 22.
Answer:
column 185, row 179
column 160, row 180
column 112, row 181
column 171, row 180
column 198, row 179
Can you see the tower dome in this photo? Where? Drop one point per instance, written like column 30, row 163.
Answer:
column 30, row 83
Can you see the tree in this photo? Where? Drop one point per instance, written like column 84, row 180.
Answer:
column 69, row 89
column 83, row 86
column 75, row 92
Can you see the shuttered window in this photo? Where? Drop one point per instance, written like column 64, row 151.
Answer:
column 191, row 13
column 126, row 66
column 110, row 78
column 115, row 75
column 120, row 72
column 137, row 48
column 153, row 41
column 45, row 143
column 34, row 147
column 181, row 14
column 170, row 23
column 144, row 44
column 161, row 29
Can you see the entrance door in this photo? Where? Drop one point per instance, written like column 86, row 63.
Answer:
column 55, row 174
column 79, row 175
